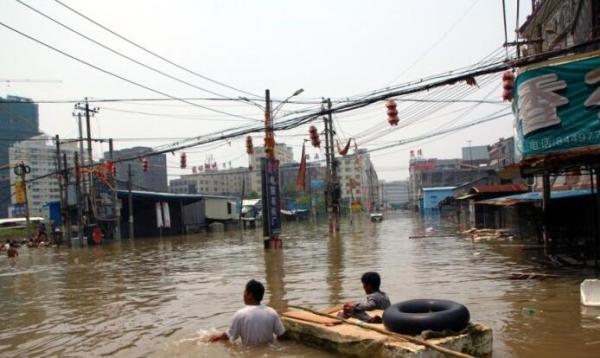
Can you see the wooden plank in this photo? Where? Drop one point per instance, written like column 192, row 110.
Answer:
column 311, row 317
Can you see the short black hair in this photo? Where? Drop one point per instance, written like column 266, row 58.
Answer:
column 371, row 278
column 256, row 289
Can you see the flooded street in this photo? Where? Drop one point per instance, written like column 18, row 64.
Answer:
column 163, row 297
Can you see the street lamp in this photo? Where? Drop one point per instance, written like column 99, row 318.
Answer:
column 276, row 109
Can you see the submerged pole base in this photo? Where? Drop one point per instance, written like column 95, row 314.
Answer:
column 273, row 243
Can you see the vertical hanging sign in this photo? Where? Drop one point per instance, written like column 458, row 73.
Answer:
column 270, row 197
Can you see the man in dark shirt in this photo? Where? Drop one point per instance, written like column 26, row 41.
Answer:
column 376, row 299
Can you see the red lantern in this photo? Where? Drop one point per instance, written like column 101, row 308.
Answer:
column 508, row 81
column 392, row 112
column 249, row 145
column 314, row 137
column 183, row 161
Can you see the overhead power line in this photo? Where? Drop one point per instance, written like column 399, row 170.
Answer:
column 108, row 48
column 153, row 53
column 119, row 76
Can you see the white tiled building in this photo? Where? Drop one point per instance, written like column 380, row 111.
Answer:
column 212, row 182
column 39, row 153
column 358, row 179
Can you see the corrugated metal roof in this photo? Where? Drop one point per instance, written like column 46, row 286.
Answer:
column 534, row 196
column 501, row 188
column 169, row 196
column 439, row 188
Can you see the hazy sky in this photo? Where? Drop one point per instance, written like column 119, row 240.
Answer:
column 335, row 49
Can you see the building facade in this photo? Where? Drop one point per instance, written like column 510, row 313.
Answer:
column 502, row 153
column 433, row 172
column 230, row 182
column 559, row 24
column 283, row 153
column 19, row 119
column 476, row 155
column 395, row 194
column 154, row 179
column 359, row 182
column 39, row 153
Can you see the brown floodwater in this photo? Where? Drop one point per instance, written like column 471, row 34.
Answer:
column 162, row 297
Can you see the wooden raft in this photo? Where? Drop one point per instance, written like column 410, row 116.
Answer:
column 355, row 338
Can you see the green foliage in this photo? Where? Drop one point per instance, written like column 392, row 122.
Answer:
column 13, row 233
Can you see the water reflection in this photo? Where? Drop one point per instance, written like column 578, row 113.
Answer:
column 335, row 267
column 163, row 296
column 274, row 275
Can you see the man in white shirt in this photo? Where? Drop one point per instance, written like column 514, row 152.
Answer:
column 255, row 323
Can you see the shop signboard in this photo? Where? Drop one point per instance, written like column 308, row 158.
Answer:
column 557, row 106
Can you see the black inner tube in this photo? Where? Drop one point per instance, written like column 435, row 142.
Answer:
column 414, row 316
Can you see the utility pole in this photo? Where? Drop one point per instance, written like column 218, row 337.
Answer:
column 79, row 197
column 333, row 186
column 68, row 220
column 61, row 186
column 88, row 112
column 270, row 183
column 116, row 206
column 130, row 201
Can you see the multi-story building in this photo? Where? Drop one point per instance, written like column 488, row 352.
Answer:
column 19, row 120
column 155, row 179
column 395, row 194
column 477, row 155
column 502, row 153
column 359, row 182
column 39, row 153
column 230, row 182
column 558, row 24
column 433, row 172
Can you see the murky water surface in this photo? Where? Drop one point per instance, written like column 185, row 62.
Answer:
column 163, row 297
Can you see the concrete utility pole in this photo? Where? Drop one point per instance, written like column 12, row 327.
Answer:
column 333, row 186
column 79, row 197
column 61, row 186
column 270, row 185
column 270, row 177
column 88, row 112
column 116, row 206
column 68, row 220
column 130, row 201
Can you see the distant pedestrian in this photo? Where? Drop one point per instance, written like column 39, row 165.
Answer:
column 5, row 246
column 255, row 323
column 12, row 251
column 42, row 235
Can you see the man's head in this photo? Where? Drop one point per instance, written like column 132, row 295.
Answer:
column 371, row 281
column 254, row 292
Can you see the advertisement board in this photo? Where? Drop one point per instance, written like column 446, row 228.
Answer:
column 557, row 106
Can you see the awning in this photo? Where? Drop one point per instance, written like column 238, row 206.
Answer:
column 534, row 196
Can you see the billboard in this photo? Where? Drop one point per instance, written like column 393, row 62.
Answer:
column 557, row 106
